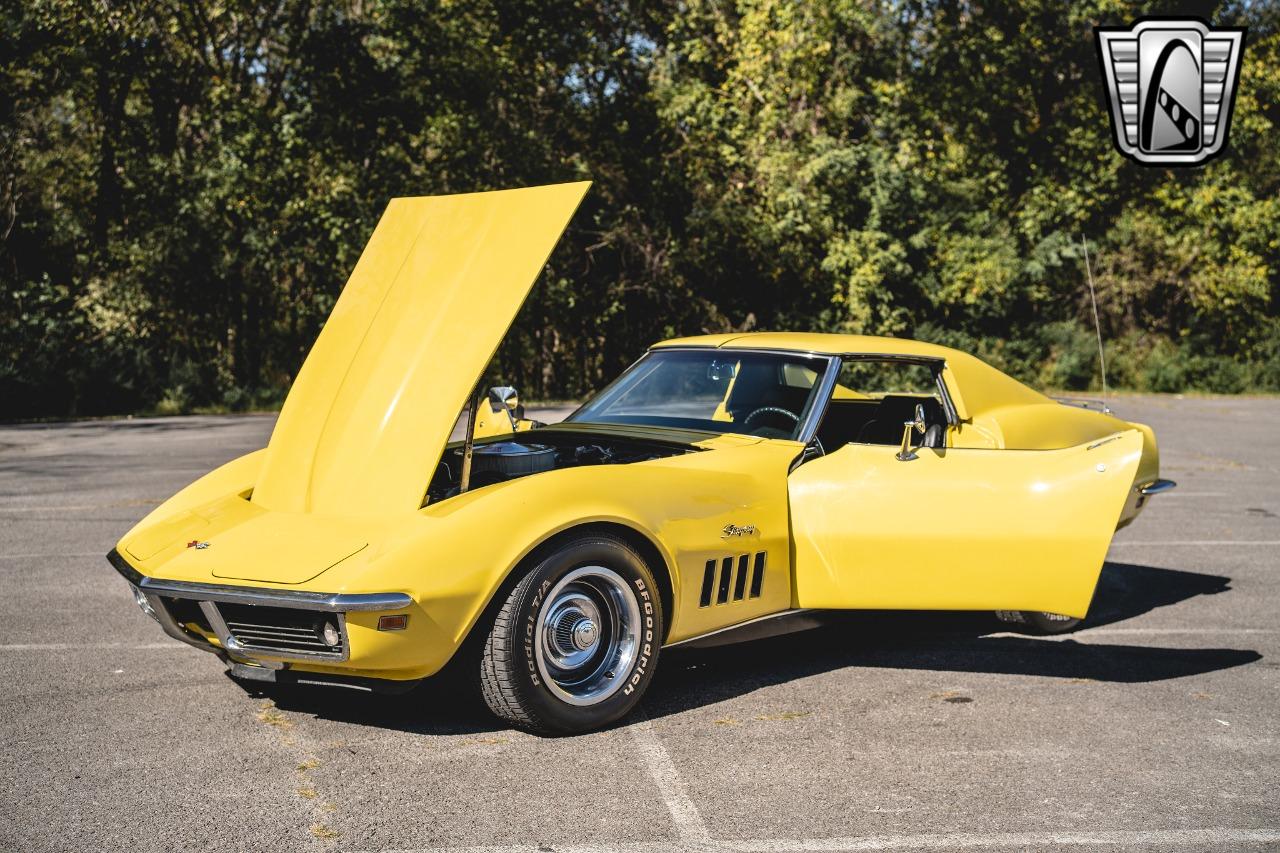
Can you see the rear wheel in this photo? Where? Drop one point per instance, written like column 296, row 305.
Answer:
column 1039, row 621
column 576, row 642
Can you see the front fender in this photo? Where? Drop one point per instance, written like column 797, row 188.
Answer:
column 453, row 557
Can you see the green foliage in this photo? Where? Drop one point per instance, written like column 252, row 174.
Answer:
column 184, row 187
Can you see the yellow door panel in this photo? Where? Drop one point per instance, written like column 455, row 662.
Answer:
column 958, row 528
column 425, row 308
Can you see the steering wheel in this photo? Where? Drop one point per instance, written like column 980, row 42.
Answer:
column 775, row 410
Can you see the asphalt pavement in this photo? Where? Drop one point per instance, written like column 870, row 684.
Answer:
column 1156, row 727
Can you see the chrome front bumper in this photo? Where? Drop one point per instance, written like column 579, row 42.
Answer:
column 155, row 591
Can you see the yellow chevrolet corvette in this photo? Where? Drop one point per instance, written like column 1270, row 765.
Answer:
column 719, row 481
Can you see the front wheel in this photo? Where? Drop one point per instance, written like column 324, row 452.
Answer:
column 576, row 642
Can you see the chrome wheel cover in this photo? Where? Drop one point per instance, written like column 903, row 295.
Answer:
column 587, row 635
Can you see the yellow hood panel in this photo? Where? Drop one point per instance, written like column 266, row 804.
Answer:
column 232, row 539
column 301, row 548
column 423, row 312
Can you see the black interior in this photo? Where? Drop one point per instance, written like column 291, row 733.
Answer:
column 843, row 420
column 880, row 421
column 895, row 410
column 759, row 384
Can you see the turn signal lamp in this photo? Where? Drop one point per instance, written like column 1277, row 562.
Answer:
column 393, row 623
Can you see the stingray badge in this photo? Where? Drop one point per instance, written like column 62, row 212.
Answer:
column 1171, row 83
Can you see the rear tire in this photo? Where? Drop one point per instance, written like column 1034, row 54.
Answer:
column 576, row 642
column 1038, row 621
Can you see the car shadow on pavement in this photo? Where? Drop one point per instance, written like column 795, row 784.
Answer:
column 1126, row 590
column 947, row 642
column 435, row 707
column 953, row 642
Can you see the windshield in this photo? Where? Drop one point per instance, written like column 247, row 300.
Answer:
column 761, row 394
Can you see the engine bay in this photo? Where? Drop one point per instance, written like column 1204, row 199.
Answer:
column 538, row 451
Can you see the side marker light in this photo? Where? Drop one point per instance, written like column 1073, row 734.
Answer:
column 393, row 623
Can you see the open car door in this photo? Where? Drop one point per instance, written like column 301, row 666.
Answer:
column 958, row 529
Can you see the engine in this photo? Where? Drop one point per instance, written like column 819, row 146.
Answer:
column 508, row 459
column 512, row 459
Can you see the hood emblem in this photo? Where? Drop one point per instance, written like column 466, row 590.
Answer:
column 197, row 544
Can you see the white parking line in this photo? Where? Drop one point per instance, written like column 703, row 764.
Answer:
column 1102, row 630
column 557, row 847
column 1088, row 633
column 52, row 556
column 1212, row 632
column 76, row 508
column 1161, row 543
column 122, row 504
column 1026, row 840
column 689, row 824
column 62, row 647
column 1161, row 838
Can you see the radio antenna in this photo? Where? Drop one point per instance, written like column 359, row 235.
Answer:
column 1097, row 324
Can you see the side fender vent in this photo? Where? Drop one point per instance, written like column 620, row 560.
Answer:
column 721, row 577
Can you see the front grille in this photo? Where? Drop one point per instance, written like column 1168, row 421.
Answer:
column 283, row 630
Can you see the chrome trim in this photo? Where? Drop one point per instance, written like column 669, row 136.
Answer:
column 806, row 618
column 948, row 406
column 802, row 353
column 173, row 629
column 907, row 453
column 256, row 653
column 821, row 399
column 1156, row 487
column 1084, row 403
column 329, row 602
column 219, row 626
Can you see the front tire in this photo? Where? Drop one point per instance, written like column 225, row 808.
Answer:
column 576, row 642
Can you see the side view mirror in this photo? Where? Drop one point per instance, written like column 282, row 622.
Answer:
column 498, row 412
column 504, row 398
column 906, row 453
column 501, row 396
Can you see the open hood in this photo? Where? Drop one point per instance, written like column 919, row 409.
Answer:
column 423, row 313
